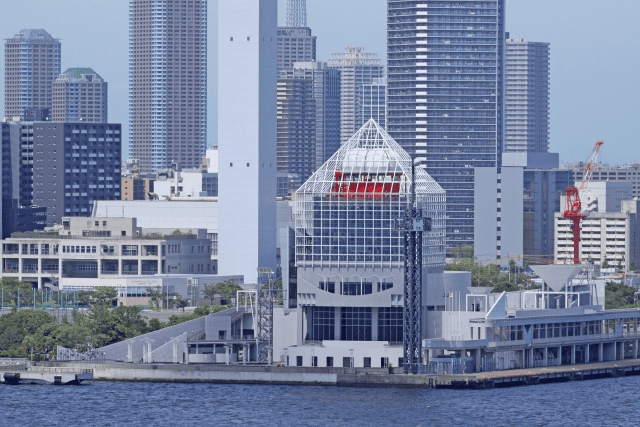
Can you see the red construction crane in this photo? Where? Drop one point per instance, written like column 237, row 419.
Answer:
column 573, row 205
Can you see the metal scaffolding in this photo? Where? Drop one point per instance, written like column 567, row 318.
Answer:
column 266, row 297
column 412, row 224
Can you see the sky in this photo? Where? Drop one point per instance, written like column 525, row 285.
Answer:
column 595, row 57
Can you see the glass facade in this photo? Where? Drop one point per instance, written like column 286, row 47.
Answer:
column 355, row 324
column 390, row 324
column 444, row 94
column 345, row 211
column 324, row 324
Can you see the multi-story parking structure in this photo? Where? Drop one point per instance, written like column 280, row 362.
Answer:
column 85, row 251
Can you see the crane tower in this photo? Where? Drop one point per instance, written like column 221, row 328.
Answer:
column 573, row 203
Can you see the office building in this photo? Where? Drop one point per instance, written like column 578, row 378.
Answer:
column 349, row 258
column 75, row 164
column 85, row 252
column 247, row 129
column 525, row 196
column 445, row 94
column 79, row 95
column 326, row 93
column 32, row 63
column 370, row 103
column 167, row 82
column 296, row 128
column 295, row 41
column 526, row 96
column 357, row 68
column 136, row 187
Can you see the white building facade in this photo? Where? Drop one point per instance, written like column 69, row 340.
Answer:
column 606, row 236
column 247, row 81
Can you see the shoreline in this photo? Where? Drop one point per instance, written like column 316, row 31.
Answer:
column 344, row 377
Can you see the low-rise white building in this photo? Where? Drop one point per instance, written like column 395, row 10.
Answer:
column 84, row 251
column 605, row 235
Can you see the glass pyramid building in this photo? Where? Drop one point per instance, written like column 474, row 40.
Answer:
column 345, row 211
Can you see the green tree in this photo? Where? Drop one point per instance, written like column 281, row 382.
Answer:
column 180, row 303
column 15, row 326
column 155, row 324
column 155, row 296
column 210, row 291
column 228, row 290
column 605, row 263
column 618, row 295
column 632, row 265
column 12, row 288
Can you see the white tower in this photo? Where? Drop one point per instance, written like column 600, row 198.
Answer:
column 247, row 81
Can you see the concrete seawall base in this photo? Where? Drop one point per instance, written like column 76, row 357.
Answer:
column 346, row 377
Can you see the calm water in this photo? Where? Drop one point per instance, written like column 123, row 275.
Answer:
column 607, row 402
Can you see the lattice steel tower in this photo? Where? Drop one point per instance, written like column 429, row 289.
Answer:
column 295, row 13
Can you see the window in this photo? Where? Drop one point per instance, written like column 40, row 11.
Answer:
column 347, row 362
column 324, row 323
column 356, row 324
column 367, row 362
column 314, row 361
column 298, row 360
column 390, row 324
column 329, row 362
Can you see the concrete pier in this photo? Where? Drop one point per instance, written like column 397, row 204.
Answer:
column 350, row 377
column 50, row 375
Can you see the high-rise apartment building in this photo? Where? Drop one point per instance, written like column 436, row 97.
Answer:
column 295, row 41
column 79, row 95
column 326, row 93
column 32, row 63
column 247, row 121
column 370, row 103
column 357, row 68
column 296, row 128
column 167, row 82
column 445, row 94
column 526, row 96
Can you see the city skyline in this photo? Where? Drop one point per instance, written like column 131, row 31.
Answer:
column 578, row 116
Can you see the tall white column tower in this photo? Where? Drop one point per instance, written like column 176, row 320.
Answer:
column 247, row 82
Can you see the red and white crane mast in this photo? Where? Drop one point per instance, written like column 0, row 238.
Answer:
column 573, row 203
